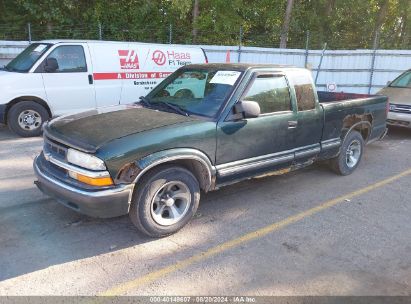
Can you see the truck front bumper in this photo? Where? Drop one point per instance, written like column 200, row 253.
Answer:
column 399, row 119
column 103, row 203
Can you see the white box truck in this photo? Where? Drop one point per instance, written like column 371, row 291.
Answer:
column 57, row 77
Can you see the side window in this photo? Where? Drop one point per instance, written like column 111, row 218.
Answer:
column 404, row 81
column 271, row 92
column 304, row 91
column 70, row 58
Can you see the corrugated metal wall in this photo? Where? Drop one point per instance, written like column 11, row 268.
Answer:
column 350, row 70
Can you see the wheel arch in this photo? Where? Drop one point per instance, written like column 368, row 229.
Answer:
column 193, row 160
column 361, row 123
column 35, row 99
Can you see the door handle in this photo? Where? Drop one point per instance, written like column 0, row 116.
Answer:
column 292, row 124
column 90, row 79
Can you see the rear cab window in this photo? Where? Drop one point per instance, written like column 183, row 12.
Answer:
column 304, row 90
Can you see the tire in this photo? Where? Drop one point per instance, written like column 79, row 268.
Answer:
column 26, row 118
column 345, row 164
column 153, row 204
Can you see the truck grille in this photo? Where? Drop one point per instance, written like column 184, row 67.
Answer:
column 398, row 122
column 54, row 149
column 398, row 108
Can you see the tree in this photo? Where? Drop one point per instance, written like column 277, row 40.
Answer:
column 196, row 12
column 286, row 24
column 382, row 13
column 343, row 24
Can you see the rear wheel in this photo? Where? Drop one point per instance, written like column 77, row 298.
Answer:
column 350, row 154
column 166, row 199
column 26, row 118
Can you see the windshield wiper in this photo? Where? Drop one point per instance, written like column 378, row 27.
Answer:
column 174, row 107
column 145, row 101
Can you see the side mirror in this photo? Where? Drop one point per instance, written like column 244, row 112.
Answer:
column 51, row 65
column 249, row 109
column 388, row 83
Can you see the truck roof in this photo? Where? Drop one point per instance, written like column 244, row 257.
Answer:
column 55, row 41
column 242, row 66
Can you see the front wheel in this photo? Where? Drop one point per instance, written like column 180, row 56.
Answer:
column 350, row 154
column 26, row 118
column 165, row 200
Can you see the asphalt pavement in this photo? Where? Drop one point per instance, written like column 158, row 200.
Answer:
column 309, row 232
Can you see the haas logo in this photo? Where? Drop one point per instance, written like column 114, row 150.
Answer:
column 128, row 59
column 159, row 57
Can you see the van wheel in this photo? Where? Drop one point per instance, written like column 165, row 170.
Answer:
column 26, row 118
column 166, row 199
column 350, row 154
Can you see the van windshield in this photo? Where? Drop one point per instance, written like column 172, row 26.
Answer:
column 201, row 92
column 26, row 59
column 404, row 81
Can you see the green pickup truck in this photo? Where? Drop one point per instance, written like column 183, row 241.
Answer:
column 203, row 127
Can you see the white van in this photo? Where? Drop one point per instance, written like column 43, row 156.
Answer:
column 56, row 77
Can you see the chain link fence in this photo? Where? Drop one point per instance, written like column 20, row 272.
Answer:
column 298, row 38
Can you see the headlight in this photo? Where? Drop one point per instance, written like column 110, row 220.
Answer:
column 85, row 160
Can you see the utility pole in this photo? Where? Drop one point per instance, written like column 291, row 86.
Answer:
column 29, row 31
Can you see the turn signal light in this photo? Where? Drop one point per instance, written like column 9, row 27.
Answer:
column 93, row 181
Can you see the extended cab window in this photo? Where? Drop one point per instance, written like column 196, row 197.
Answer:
column 70, row 58
column 304, row 90
column 271, row 92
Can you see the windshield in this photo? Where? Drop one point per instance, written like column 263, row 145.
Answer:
column 196, row 91
column 25, row 60
column 404, row 81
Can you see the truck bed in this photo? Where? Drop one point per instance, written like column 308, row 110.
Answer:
column 338, row 107
column 329, row 97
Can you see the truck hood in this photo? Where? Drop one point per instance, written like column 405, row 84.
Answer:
column 87, row 131
column 397, row 95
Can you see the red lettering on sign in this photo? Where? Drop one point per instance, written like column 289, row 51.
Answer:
column 130, row 75
column 177, row 55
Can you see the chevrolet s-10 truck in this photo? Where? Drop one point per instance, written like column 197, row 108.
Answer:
column 151, row 159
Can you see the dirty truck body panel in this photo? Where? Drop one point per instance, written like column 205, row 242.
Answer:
column 219, row 146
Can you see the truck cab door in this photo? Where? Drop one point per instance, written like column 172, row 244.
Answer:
column 309, row 123
column 67, row 78
column 248, row 147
